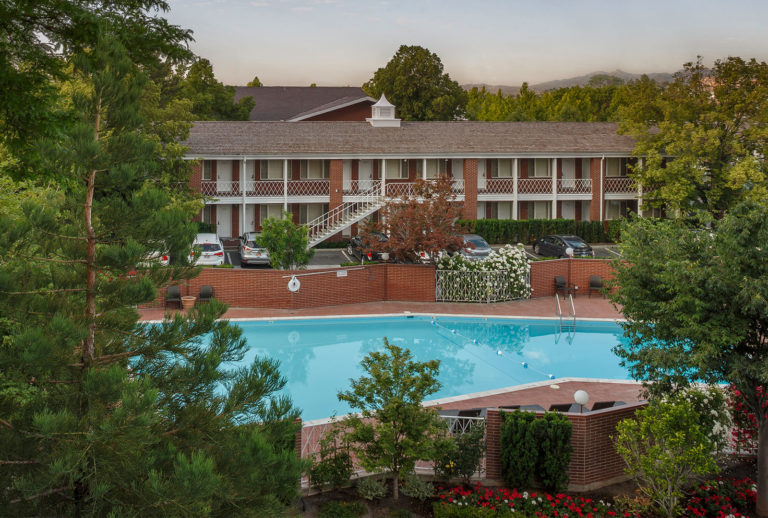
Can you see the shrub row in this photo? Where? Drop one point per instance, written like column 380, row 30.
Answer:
column 526, row 231
column 535, row 447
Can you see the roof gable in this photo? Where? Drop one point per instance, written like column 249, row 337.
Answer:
column 289, row 103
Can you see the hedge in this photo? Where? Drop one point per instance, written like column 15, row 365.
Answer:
column 526, row 231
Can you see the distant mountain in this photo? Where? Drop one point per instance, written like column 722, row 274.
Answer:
column 573, row 81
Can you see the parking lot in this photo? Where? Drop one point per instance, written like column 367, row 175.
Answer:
column 331, row 258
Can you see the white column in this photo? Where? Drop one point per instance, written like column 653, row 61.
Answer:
column 424, row 169
column 243, row 180
column 285, row 185
column 383, row 174
column 554, row 188
column 514, row 187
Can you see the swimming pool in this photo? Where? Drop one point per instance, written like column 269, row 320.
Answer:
column 319, row 356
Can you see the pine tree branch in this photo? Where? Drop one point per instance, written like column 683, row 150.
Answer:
column 41, row 291
column 11, row 462
column 6, row 423
column 40, row 495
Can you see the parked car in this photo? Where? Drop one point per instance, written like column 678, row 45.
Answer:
column 355, row 247
column 556, row 245
column 475, row 247
column 251, row 252
column 208, row 250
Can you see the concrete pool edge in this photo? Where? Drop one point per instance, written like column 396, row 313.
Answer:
column 401, row 314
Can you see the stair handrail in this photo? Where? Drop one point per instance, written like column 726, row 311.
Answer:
column 337, row 214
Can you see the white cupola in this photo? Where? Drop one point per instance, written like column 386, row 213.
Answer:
column 383, row 114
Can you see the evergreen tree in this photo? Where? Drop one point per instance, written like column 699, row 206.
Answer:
column 103, row 415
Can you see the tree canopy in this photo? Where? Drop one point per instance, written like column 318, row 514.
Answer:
column 703, row 137
column 695, row 304
column 413, row 80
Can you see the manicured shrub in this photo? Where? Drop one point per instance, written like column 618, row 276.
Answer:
column 399, row 513
column 342, row 510
column 553, row 436
column 463, row 454
column 371, row 488
column 526, row 231
column 519, row 451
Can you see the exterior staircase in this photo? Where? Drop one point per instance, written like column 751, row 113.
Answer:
column 343, row 216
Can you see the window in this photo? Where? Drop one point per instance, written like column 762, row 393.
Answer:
column 315, row 169
column 207, row 215
column 501, row 168
column 541, row 167
column 615, row 209
column 311, row 211
column 270, row 210
column 501, row 210
column 542, row 210
column 207, row 169
column 436, row 167
column 396, row 169
column 271, row 170
column 615, row 167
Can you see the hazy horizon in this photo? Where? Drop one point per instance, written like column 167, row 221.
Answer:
column 496, row 42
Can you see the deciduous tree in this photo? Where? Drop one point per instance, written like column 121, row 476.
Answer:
column 393, row 429
column 423, row 221
column 695, row 308
column 286, row 242
column 413, row 80
column 703, row 143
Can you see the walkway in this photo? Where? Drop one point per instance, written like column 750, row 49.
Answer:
column 586, row 307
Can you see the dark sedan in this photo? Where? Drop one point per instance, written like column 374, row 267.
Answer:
column 556, row 246
column 357, row 246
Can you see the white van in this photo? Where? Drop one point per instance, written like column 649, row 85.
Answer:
column 208, row 250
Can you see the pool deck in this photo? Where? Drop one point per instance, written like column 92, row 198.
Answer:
column 586, row 307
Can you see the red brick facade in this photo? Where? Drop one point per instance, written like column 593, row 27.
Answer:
column 470, row 189
column 596, row 174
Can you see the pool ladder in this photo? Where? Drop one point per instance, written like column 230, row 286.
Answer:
column 567, row 324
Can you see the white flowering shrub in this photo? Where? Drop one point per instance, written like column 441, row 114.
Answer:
column 503, row 275
column 710, row 403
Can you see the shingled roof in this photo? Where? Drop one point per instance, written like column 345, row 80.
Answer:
column 412, row 139
column 291, row 103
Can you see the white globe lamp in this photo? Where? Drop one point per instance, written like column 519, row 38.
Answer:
column 582, row 398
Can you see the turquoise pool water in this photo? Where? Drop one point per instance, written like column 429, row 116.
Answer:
column 318, row 357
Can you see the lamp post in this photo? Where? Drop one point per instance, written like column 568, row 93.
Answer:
column 569, row 253
column 582, row 398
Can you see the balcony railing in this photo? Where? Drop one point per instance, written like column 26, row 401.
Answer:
column 574, row 186
column 534, row 186
column 220, row 188
column 398, row 189
column 266, row 188
column 309, row 188
column 619, row 184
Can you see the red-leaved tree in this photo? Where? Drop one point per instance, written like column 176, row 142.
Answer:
column 421, row 225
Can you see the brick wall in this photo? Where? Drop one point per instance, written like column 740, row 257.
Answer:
column 594, row 461
column 398, row 282
column 596, row 173
column 543, row 274
column 246, row 288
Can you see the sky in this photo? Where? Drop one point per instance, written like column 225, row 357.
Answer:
column 498, row 42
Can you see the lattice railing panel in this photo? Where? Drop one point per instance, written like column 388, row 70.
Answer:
column 475, row 286
column 264, row 188
column 499, row 186
column 534, row 186
column 220, row 188
column 619, row 185
column 574, row 186
column 309, row 188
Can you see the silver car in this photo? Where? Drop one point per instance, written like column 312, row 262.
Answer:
column 475, row 247
column 250, row 250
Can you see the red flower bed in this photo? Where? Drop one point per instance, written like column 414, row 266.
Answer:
column 722, row 498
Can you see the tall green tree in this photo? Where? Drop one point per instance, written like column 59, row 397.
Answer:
column 413, row 80
column 695, row 309
column 393, row 429
column 212, row 100
column 102, row 415
column 286, row 242
column 705, row 143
